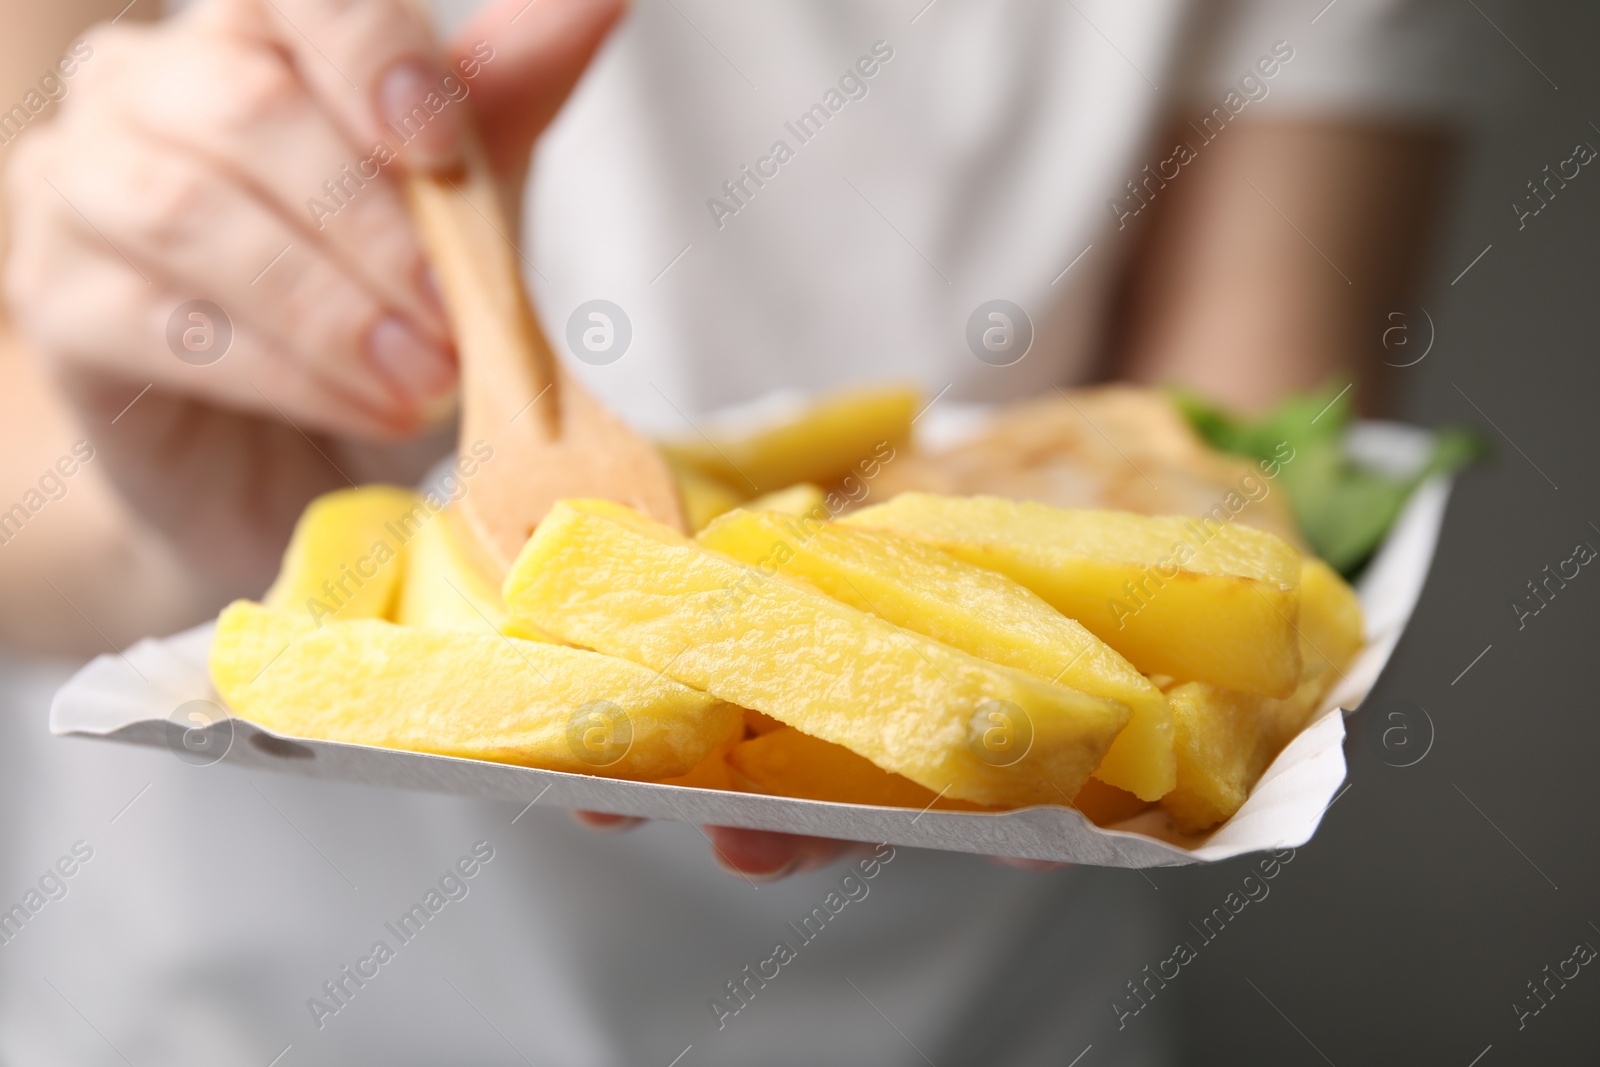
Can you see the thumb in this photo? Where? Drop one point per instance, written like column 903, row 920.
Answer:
column 529, row 54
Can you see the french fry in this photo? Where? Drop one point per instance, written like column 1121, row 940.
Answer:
column 346, row 557
column 1331, row 634
column 788, row 763
column 1227, row 739
column 601, row 576
column 822, row 444
column 462, row 694
column 1187, row 597
column 756, row 723
column 1220, row 753
column 802, row 499
column 713, row 771
column 704, row 498
column 442, row 588
column 918, row 587
column 1106, row 805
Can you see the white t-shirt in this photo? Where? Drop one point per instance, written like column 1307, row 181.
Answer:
column 968, row 152
column 980, row 159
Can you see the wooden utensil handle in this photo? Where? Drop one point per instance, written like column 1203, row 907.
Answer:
column 506, row 362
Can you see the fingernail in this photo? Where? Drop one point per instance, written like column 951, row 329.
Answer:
column 421, row 371
column 430, row 136
column 777, row 874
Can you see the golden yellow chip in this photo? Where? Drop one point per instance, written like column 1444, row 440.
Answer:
column 1175, row 595
column 802, row 499
column 919, row 587
column 1227, row 739
column 346, row 557
column 603, row 577
column 442, row 588
column 788, row 763
column 496, row 698
column 846, row 434
column 704, row 498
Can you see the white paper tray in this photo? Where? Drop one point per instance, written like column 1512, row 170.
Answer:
column 129, row 697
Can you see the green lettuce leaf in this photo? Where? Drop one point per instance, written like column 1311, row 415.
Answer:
column 1343, row 509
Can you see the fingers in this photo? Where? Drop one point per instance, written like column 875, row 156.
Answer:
column 124, row 340
column 528, row 58
column 759, row 855
column 247, row 114
column 767, row 856
column 237, row 155
column 373, row 63
column 180, row 170
column 376, row 65
column 605, row 822
column 160, row 212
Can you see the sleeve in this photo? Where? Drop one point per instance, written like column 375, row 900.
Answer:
column 1416, row 61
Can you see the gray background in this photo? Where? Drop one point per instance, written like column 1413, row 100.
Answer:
column 1408, row 927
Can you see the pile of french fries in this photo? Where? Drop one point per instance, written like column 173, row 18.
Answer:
column 992, row 626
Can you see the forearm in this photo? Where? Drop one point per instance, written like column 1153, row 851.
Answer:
column 1269, row 263
column 76, row 574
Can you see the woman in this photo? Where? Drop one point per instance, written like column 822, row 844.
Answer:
column 1220, row 195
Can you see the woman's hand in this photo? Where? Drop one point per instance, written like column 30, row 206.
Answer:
column 248, row 154
column 758, row 855
column 767, row 856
